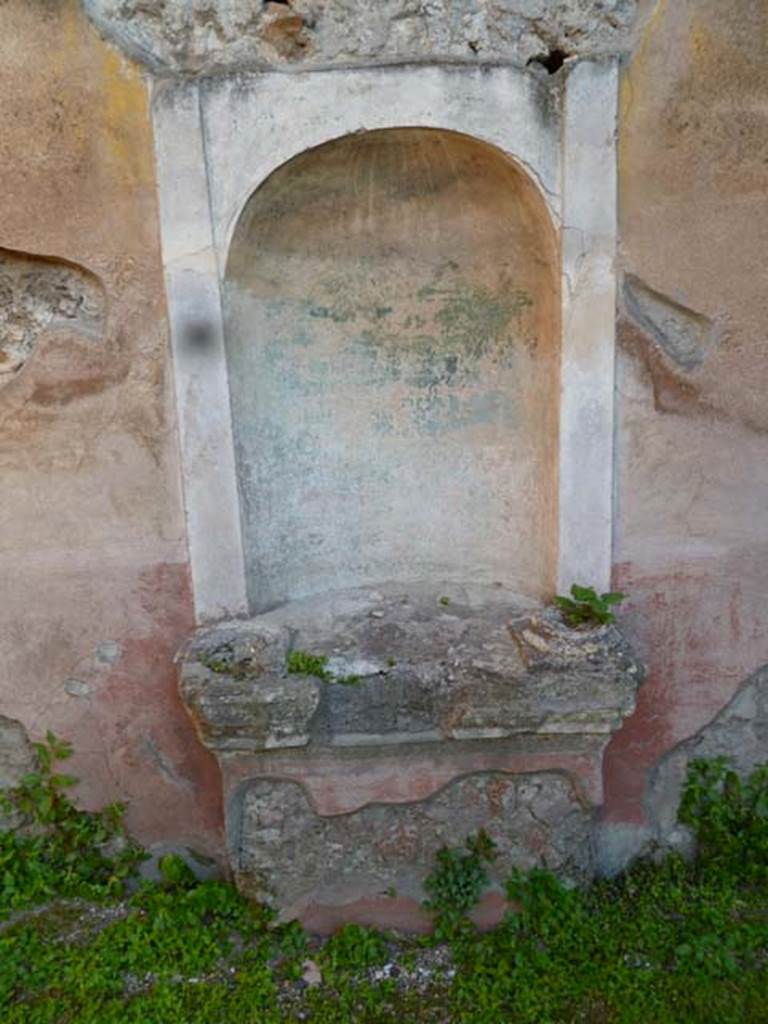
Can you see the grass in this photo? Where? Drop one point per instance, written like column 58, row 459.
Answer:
column 669, row 943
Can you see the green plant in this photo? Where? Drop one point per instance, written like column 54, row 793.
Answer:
column 55, row 848
column 727, row 815
column 304, row 664
column 301, row 663
column 670, row 942
column 222, row 661
column 457, row 882
column 586, row 607
column 218, row 665
column 673, row 942
column 175, row 870
column 353, row 948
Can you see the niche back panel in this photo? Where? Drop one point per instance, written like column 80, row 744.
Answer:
column 391, row 313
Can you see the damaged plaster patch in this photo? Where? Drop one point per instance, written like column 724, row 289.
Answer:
column 161, row 760
column 17, row 758
column 683, row 335
column 283, row 851
column 203, row 37
column 739, row 732
column 17, row 755
column 38, row 294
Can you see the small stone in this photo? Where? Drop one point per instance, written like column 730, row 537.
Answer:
column 312, row 975
column 77, row 688
column 108, row 652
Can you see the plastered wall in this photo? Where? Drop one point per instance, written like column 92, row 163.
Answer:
column 691, row 543
column 95, row 591
column 95, row 576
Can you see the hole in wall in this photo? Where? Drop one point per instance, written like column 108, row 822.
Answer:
column 551, row 61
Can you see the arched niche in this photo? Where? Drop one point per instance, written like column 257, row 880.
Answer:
column 391, row 303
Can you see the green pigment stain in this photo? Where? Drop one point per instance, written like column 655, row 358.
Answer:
column 472, row 319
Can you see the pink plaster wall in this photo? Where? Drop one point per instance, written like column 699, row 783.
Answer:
column 92, row 548
column 692, row 534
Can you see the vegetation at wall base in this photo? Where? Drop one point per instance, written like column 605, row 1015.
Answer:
column 56, row 849
column 456, row 884
column 669, row 942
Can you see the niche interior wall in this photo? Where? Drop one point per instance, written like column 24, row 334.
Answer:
column 391, row 320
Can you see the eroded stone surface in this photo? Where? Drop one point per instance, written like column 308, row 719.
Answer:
column 408, row 665
column 402, row 670
column 233, row 682
column 285, row 853
column 37, row 294
column 197, row 36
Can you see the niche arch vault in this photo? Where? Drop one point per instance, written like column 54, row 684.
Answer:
column 219, row 140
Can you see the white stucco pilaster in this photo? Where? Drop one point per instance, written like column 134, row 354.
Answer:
column 199, row 363
column 588, row 325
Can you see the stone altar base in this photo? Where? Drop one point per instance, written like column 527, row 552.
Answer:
column 435, row 711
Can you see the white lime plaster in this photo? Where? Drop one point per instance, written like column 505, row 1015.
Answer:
column 199, row 367
column 588, row 326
